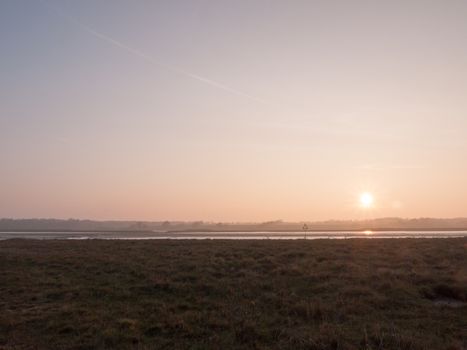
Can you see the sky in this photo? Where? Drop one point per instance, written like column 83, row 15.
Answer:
column 246, row 110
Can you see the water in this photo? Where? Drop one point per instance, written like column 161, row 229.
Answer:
column 230, row 235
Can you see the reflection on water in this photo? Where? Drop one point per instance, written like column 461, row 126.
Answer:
column 232, row 235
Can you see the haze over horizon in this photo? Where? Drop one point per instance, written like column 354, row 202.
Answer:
column 233, row 111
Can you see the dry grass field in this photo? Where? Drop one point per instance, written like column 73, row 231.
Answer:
column 160, row 294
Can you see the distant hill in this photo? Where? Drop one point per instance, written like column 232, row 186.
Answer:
column 167, row 226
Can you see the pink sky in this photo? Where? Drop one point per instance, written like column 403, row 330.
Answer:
column 233, row 110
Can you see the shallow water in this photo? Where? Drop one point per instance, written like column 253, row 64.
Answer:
column 231, row 235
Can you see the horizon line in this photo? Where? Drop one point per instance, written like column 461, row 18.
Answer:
column 237, row 222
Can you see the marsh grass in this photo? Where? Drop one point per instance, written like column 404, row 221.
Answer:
column 321, row 294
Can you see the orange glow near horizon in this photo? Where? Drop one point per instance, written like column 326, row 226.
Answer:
column 172, row 110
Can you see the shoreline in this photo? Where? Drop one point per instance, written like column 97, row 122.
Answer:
column 212, row 294
column 228, row 235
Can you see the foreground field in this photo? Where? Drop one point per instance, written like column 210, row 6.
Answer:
column 323, row 294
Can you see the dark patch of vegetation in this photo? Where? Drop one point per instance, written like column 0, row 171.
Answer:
column 322, row 294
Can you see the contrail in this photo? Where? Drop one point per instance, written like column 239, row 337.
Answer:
column 148, row 58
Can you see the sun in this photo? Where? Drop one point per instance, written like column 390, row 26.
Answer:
column 366, row 200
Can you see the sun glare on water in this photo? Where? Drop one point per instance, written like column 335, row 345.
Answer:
column 366, row 200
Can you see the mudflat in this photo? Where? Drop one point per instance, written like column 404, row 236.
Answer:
column 229, row 294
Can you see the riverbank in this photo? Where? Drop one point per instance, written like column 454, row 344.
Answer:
column 320, row 294
column 287, row 235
